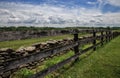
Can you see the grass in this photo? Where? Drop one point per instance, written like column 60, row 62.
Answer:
column 103, row 63
column 25, row 73
column 18, row 43
column 27, row 42
column 45, row 64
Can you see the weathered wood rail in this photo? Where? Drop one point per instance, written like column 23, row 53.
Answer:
column 104, row 36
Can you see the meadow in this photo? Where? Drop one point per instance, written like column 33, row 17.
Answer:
column 102, row 63
column 27, row 42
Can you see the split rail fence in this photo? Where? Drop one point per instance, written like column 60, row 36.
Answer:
column 95, row 39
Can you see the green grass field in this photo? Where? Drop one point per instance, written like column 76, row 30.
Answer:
column 27, row 42
column 18, row 43
column 103, row 63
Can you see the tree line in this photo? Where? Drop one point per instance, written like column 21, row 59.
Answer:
column 24, row 28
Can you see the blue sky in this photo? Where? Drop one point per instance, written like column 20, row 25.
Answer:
column 60, row 12
column 108, row 7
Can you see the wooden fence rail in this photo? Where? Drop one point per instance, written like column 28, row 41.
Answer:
column 108, row 36
column 37, row 56
column 60, row 64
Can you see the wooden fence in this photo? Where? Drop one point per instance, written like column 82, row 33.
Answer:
column 104, row 36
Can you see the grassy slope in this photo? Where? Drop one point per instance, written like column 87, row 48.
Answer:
column 103, row 63
column 18, row 43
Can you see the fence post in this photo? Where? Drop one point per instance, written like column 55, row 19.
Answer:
column 112, row 35
column 109, row 33
column 76, row 48
column 106, row 35
column 94, row 41
column 101, row 38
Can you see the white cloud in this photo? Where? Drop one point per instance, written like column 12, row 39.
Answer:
column 48, row 15
column 114, row 2
column 91, row 3
column 101, row 3
column 111, row 2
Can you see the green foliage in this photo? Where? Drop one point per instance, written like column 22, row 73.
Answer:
column 26, row 73
column 115, row 28
column 23, row 73
column 24, row 28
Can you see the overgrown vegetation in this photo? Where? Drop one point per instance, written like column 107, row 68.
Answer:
column 24, row 28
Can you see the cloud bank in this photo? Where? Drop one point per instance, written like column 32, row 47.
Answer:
column 114, row 2
column 20, row 14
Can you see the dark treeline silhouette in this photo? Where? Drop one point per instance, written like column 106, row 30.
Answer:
column 24, row 28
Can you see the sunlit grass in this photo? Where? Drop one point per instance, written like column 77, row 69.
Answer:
column 25, row 73
column 103, row 63
column 18, row 43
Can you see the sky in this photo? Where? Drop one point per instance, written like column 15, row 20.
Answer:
column 59, row 13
